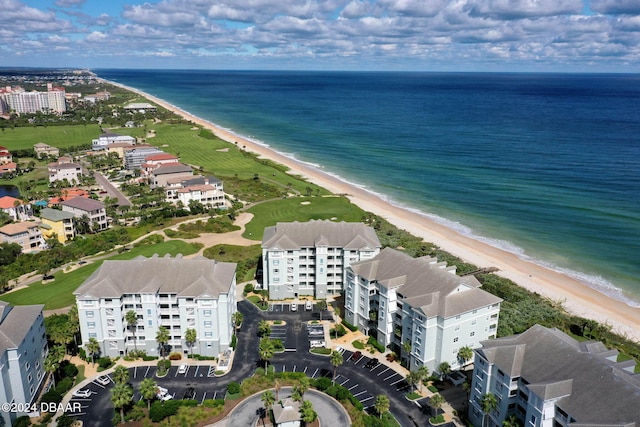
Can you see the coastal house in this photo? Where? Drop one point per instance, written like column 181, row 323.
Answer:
column 310, row 258
column 25, row 234
column 17, row 209
column 140, row 107
column 23, row 350
column 108, row 138
column 61, row 170
column 401, row 300
column 135, row 156
column 94, row 210
column 162, row 174
column 68, row 193
column 207, row 190
column 8, row 168
column 41, row 149
column 544, row 377
column 174, row 293
column 5, row 156
column 154, row 161
column 57, row 223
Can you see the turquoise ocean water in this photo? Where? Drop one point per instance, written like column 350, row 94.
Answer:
column 543, row 165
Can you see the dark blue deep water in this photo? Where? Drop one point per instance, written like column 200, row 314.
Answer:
column 543, row 165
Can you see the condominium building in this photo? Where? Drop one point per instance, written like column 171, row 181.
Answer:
column 57, row 223
column 207, row 190
column 310, row 258
column 23, row 349
column 544, row 377
column 59, row 171
column 20, row 101
column 160, row 176
column 107, row 138
column 25, row 234
column 94, row 210
column 174, row 293
column 136, row 155
column 419, row 303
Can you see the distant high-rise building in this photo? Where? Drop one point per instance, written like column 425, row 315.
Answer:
column 20, row 101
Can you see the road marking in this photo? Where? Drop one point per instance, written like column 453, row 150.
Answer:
column 305, row 369
column 283, row 370
column 345, row 381
column 135, row 371
column 368, row 398
column 147, row 371
column 290, row 349
column 401, row 379
column 358, row 394
column 384, row 371
column 215, row 393
column 203, row 397
column 196, row 374
column 294, row 368
column 390, row 376
column 314, row 374
column 353, row 387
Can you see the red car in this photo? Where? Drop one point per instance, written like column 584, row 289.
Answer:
column 356, row 356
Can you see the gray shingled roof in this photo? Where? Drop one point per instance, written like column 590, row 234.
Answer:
column 424, row 284
column 172, row 168
column 296, row 235
column 84, row 204
column 598, row 390
column 198, row 277
column 15, row 324
column 55, row 214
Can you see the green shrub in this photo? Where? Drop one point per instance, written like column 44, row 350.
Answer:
column 372, row 341
column 322, row 383
column 248, row 288
column 161, row 410
column 357, row 344
column 213, row 403
column 233, row 388
column 23, row 421
column 70, row 370
column 322, row 350
column 349, row 326
column 104, row 362
column 163, row 366
column 234, row 342
column 149, row 358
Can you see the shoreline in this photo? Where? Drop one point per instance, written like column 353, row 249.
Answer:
column 575, row 296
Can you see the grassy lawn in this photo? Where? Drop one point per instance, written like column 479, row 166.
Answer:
column 57, row 136
column 59, row 293
column 300, row 209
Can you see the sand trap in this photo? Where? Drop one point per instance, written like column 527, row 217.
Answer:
column 223, row 150
column 305, row 203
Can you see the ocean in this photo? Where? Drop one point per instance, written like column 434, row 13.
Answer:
column 546, row 166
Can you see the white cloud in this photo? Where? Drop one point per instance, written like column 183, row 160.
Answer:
column 96, row 37
column 517, row 9
column 69, row 3
column 630, row 7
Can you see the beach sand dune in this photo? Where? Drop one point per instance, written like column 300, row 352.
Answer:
column 577, row 297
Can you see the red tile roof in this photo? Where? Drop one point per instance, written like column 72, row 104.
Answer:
column 7, row 202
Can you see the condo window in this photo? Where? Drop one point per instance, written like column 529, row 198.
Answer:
column 455, row 339
column 89, row 314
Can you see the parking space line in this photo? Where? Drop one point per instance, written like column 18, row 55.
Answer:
column 203, row 397
column 368, row 398
column 384, row 371
column 305, row 369
column 196, row 374
column 135, row 371
column 215, row 393
column 390, row 376
column 283, row 370
column 361, row 393
column 147, row 371
column 353, row 387
column 358, row 361
column 401, row 379
column 314, row 373
column 345, row 381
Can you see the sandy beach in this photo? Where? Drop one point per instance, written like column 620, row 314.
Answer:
column 577, row 297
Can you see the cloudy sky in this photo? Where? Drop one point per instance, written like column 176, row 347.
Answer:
column 454, row 35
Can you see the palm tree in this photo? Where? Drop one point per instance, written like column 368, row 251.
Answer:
column 190, row 337
column 268, row 399
column 162, row 337
column 266, row 351
column 322, row 306
column 309, row 415
column 336, row 360
column 423, row 373
column 436, row 402
column 148, row 389
column 489, row 403
column 444, row 368
column 264, row 329
column 382, row 404
column 51, row 365
column 120, row 375
column 465, row 354
column 512, row 421
column 93, row 348
column 412, row 378
column 121, row 396
column 131, row 318
column 277, row 386
column 303, row 385
column 237, row 319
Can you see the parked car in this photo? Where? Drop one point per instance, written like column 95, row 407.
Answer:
column 103, row 379
column 308, row 306
column 163, row 394
column 190, row 393
column 182, row 369
column 316, row 344
column 372, row 363
column 82, row 393
column 356, row 356
column 294, row 307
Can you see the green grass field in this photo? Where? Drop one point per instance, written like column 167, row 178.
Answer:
column 59, row 293
column 57, row 136
column 300, row 209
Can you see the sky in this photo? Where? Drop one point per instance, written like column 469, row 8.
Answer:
column 412, row 35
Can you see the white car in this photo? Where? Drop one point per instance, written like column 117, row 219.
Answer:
column 163, row 394
column 308, row 306
column 82, row 393
column 316, row 344
column 182, row 369
column 294, row 307
column 103, row 379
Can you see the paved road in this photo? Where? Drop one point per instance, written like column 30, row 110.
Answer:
column 111, row 190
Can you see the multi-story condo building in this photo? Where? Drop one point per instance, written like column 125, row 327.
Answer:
column 134, row 157
column 20, row 101
column 93, row 209
column 160, row 176
column 59, row 171
column 310, row 258
column 174, row 293
column 23, row 349
column 420, row 304
column 545, row 378
column 106, row 139
column 207, row 190
column 57, row 223
column 25, row 234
